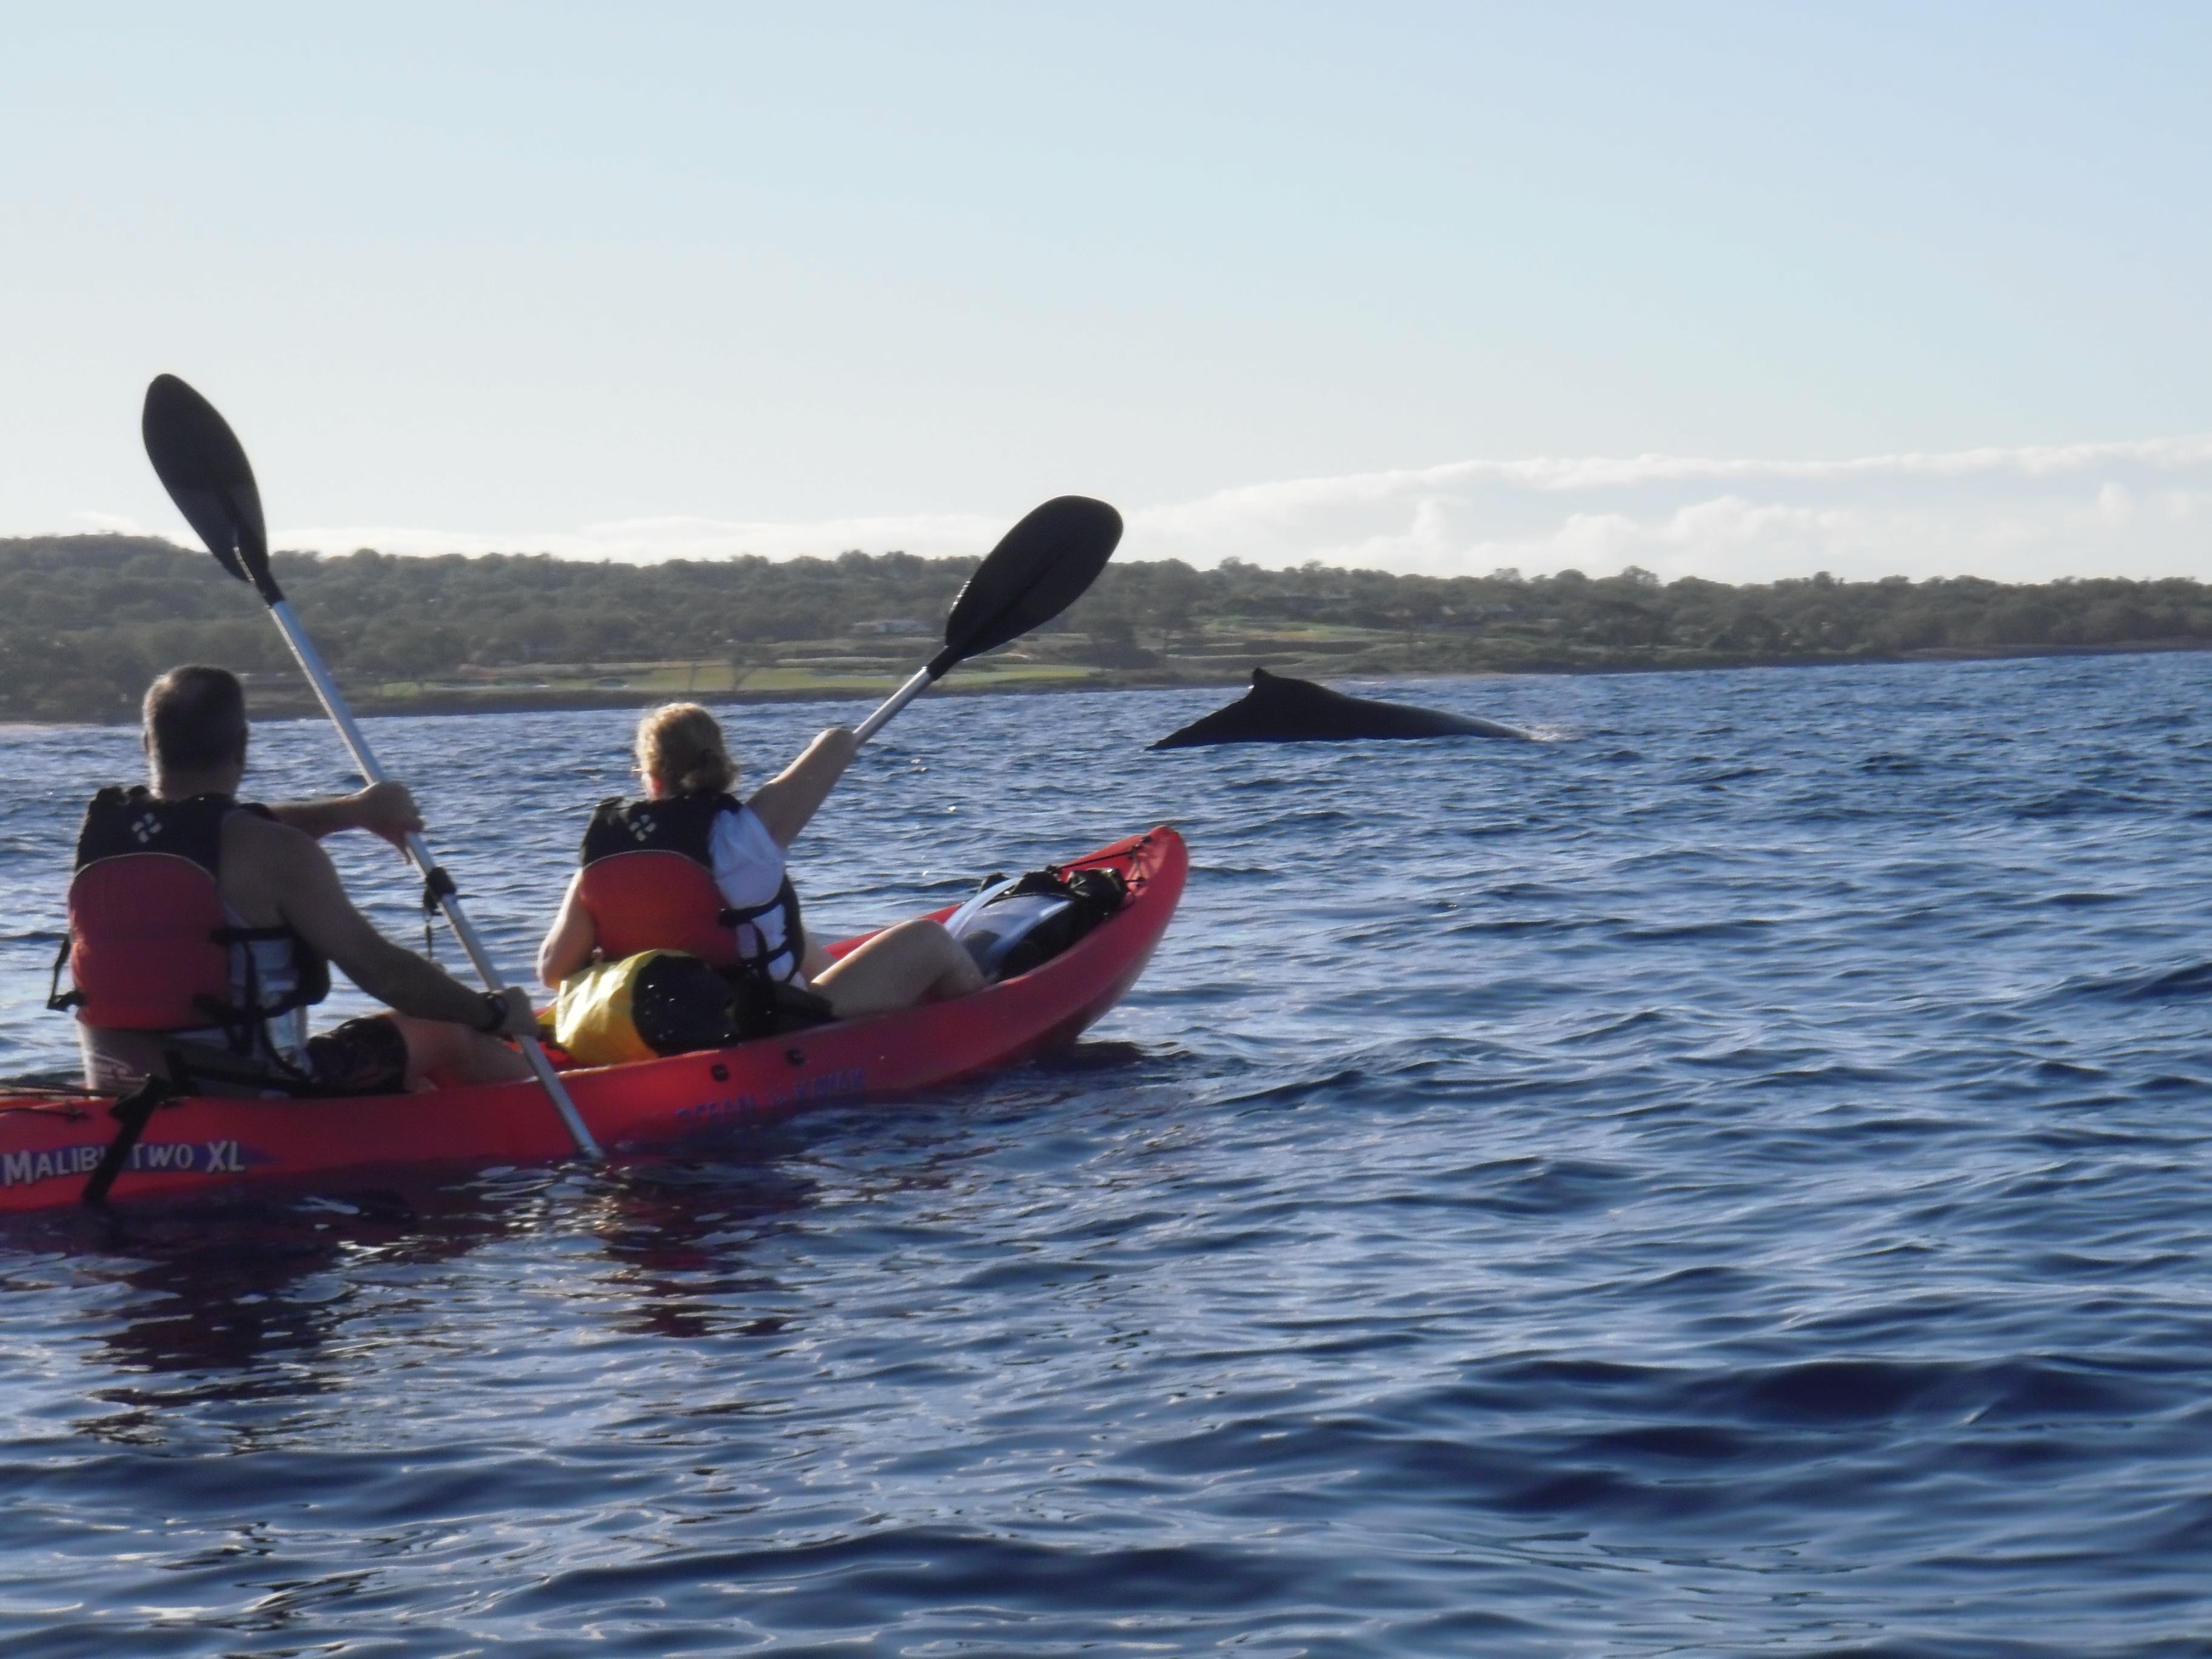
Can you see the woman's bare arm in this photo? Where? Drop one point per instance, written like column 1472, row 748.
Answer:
column 572, row 939
column 785, row 803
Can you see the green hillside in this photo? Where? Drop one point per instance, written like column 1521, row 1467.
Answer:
column 91, row 618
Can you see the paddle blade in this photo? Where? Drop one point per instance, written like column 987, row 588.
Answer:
column 203, row 466
column 1039, row 567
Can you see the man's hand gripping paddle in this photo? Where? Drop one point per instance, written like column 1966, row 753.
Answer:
column 203, row 467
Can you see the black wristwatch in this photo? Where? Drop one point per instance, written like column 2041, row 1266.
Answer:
column 495, row 1013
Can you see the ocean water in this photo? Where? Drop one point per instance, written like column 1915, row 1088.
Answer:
column 1731, row 1178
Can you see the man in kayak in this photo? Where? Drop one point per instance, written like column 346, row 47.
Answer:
column 713, row 884
column 202, row 929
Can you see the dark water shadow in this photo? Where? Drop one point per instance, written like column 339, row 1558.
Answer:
column 681, row 1238
column 245, row 1300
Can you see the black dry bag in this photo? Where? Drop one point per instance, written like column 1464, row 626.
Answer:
column 1015, row 925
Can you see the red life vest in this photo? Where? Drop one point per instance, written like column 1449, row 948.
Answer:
column 649, row 884
column 149, row 946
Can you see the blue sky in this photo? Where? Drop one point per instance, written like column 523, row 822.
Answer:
column 1871, row 288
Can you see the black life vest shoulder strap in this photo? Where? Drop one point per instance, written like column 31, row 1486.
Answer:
column 311, row 971
column 756, row 961
column 59, row 1001
column 794, row 928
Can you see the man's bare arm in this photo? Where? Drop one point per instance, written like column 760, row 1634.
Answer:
column 383, row 809
column 316, row 906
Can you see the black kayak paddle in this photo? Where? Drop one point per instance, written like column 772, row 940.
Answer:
column 203, row 467
column 1039, row 567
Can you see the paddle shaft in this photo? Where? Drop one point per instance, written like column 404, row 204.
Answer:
column 319, row 676
column 923, row 680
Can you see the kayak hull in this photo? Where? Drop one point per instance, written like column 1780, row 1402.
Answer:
column 204, row 1144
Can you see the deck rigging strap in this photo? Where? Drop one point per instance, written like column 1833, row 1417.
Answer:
column 130, row 1114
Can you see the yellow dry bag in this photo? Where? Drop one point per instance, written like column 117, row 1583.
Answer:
column 641, row 1007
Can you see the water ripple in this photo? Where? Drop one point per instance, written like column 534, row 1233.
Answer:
column 1728, row 1179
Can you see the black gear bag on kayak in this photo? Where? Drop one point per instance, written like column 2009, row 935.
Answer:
column 762, row 1007
column 1015, row 925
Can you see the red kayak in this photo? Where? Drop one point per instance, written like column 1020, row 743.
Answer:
column 50, row 1144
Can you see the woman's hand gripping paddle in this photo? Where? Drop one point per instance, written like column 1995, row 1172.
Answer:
column 203, row 467
column 1039, row 567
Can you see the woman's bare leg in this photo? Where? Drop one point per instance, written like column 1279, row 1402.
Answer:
column 914, row 961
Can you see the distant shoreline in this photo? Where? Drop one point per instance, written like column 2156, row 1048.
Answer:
column 297, row 701
column 92, row 618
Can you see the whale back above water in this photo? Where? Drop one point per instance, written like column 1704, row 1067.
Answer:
column 1279, row 709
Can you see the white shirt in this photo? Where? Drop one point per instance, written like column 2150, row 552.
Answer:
column 749, row 870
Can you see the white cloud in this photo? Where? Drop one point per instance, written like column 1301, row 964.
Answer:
column 2020, row 514
column 648, row 540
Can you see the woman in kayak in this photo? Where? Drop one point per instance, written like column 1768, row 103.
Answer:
column 688, row 868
